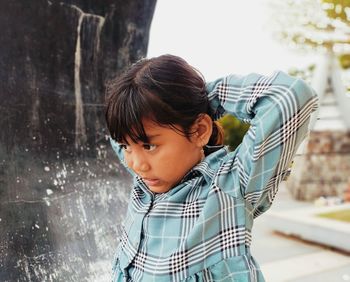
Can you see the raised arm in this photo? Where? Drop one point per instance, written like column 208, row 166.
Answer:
column 278, row 108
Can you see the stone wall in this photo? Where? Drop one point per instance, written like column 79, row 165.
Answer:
column 324, row 169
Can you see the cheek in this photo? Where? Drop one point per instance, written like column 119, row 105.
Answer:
column 185, row 157
column 127, row 160
column 165, row 163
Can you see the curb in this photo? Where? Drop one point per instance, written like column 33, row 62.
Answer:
column 305, row 224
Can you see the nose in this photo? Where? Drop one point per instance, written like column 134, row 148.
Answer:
column 138, row 163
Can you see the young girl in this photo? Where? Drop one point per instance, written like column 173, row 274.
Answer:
column 193, row 202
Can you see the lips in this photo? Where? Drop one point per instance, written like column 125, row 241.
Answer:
column 151, row 181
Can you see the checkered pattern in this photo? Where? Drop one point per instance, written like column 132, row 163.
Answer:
column 201, row 229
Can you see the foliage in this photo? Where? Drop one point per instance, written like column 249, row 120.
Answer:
column 313, row 24
column 305, row 73
column 345, row 61
column 234, row 131
column 337, row 9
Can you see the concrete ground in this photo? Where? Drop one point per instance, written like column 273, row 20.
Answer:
column 284, row 258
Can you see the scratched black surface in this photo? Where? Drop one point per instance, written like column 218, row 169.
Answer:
column 62, row 191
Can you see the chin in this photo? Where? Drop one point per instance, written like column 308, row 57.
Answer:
column 159, row 190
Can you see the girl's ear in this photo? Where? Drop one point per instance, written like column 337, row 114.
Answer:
column 202, row 129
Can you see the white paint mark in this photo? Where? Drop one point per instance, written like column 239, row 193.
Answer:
column 47, row 202
column 80, row 127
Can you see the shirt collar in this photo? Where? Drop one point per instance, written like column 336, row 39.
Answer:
column 209, row 165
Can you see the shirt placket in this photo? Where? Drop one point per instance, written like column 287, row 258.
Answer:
column 140, row 227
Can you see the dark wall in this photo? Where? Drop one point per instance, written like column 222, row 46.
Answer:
column 62, row 193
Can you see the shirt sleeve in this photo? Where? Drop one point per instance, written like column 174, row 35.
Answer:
column 278, row 108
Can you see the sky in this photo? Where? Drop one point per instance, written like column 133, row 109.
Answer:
column 221, row 37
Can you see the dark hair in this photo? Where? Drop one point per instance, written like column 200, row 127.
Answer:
column 164, row 89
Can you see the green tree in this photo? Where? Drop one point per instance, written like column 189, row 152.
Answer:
column 234, row 131
column 313, row 25
column 339, row 12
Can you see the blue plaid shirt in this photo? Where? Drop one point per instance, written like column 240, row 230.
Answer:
column 200, row 230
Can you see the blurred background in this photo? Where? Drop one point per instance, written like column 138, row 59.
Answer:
column 63, row 193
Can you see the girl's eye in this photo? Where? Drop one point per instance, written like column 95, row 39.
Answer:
column 125, row 147
column 149, row 147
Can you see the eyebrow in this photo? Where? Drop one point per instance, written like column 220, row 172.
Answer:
column 150, row 137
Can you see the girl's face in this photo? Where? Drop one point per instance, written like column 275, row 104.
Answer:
column 164, row 161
